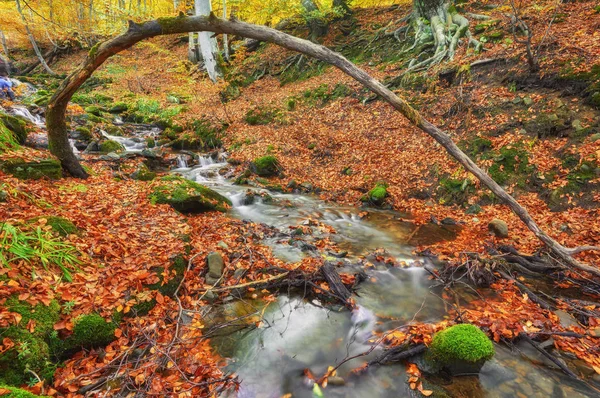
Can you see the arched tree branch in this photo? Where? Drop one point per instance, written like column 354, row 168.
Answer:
column 58, row 134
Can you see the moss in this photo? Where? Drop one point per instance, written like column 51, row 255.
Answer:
column 17, row 125
column 377, row 194
column 8, row 141
column 115, row 130
column 94, row 110
column 29, row 352
column 94, row 50
column 84, row 133
column 44, row 316
column 59, row 224
column 91, row 331
column 479, row 145
column 323, row 94
column 15, row 392
column 187, row 196
column 49, row 168
column 143, row 174
column 150, row 142
column 119, row 107
column 455, row 191
column 263, row 116
column 111, row 146
column 511, row 165
column 265, row 166
column 461, row 343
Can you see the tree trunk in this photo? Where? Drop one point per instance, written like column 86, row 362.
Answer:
column 57, row 128
column 208, row 43
column 225, row 39
column 317, row 27
column 32, row 40
column 4, row 44
column 343, row 6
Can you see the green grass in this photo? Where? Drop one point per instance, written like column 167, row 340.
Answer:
column 37, row 246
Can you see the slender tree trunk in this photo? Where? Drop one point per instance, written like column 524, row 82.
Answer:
column 58, row 132
column 51, row 11
column 32, row 40
column 208, row 43
column 225, row 39
column 317, row 27
column 4, row 44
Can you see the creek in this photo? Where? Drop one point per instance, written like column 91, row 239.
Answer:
column 296, row 334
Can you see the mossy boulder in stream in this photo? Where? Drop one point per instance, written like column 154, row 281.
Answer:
column 187, row 196
column 49, row 168
column 461, row 349
column 265, row 166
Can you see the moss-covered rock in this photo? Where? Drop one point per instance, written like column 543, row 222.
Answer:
column 114, row 130
column 119, row 107
column 91, row 331
column 377, row 195
column 187, row 196
column 263, row 116
column 83, row 133
column 94, row 110
column 108, row 146
column 49, row 168
column 461, row 348
column 28, row 352
column 265, row 166
column 143, row 173
column 17, row 125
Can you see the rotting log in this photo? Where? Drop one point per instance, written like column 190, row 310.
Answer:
column 58, row 132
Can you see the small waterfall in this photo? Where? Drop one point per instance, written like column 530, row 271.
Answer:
column 363, row 321
column 73, row 147
column 237, row 199
column 24, row 113
column 130, row 144
column 182, row 162
column 206, row 161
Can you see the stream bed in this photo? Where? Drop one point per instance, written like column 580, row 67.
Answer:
column 296, row 334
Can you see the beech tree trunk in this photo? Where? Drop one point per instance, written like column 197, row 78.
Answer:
column 4, row 44
column 317, row 27
column 58, row 132
column 208, row 43
column 32, row 40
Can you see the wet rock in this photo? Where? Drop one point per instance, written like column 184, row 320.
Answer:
column 143, row 174
column 499, row 228
column 150, row 154
column 566, row 320
column 336, row 381
column 473, row 209
column 292, row 184
column 110, row 156
column 223, row 245
column 338, row 255
column 495, row 374
column 119, row 107
column 307, row 187
column 215, row 265
column 527, row 101
column 108, row 146
column 576, row 124
column 37, row 141
column 449, row 221
column 210, row 296
column 92, row 147
column 239, row 273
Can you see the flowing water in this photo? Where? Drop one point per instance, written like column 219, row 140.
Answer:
column 295, row 334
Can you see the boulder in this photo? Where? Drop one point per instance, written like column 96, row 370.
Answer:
column 377, row 195
column 498, row 228
column 215, row 264
column 187, row 196
column 17, row 125
column 48, row 168
column 108, row 146
column 143, row 174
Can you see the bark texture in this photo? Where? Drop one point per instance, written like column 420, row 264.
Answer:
column 57, row 129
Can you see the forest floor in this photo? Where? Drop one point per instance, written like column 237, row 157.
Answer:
column 536, row 135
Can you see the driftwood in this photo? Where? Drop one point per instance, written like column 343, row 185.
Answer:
column 58, row 131
column 335, row 282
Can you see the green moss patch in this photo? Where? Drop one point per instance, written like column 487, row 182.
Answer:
column 264, row 116
column 376, row 195
column 461, row 343
column 63, row 226
column 49, row 168
column 265, row 166
column 14, row 392
column 111, row 146
column 188, row 196
column 17, row 125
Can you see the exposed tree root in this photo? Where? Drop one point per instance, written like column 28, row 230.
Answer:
column 442, row 28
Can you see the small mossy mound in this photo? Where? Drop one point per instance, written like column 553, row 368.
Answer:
column 377, row 195
column 44, row 317
column 461, row 343
column 17, row 125
column 188, row 196
column 511, row 165
column 14, row 392
column 8, row 140
column 119, row 107
column 455, row 191
column 265, row 166
column 83, row 133
column 111, row 146
column 94, row 110
column 49, row 168
column 91, row 331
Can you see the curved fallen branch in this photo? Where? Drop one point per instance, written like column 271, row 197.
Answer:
column 56, row 112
